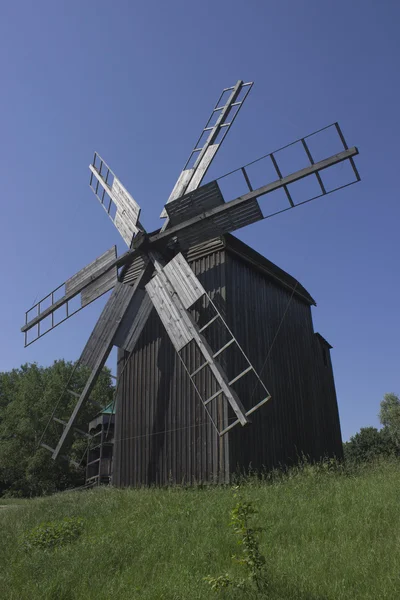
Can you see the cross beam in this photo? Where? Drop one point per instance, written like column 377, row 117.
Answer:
column 209, row 215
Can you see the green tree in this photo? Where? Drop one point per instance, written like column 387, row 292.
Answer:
column 389, row 416
column 28, row 396
column 369, row 443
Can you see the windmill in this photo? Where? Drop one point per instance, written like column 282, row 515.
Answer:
column 165, row 281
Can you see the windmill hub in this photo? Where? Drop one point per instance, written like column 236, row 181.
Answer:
column 141, row 242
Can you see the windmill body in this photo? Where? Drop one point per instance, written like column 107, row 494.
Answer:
column 207, row 329
column 162, row 433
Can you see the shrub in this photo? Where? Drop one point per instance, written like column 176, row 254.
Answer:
column 250, row 559
column 55, row 534
column 369, row 444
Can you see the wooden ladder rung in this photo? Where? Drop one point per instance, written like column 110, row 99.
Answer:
column 256, row 407
column 218, row 352
column 47, row 447
column 241, row 375
column 64, row 423
column 199, row 369
column 209, row 323
column 231, row 426
column 76, row 395
column 73, row 462
column 212, row 397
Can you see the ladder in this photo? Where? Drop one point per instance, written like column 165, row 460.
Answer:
column 222, row 389
column 218, row 125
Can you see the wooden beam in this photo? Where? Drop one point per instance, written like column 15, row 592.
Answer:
column 188, row 324
column 102, row 270
column 191, row 178
column 122, row 260
column 126, row 218
column 209, row 215
column 136, row 317
column 121, row 298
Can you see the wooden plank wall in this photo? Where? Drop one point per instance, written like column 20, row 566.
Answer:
column 302, row 415
column 162, row 434
column 329, row 437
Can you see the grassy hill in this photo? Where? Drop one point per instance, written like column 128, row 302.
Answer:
column 328, row 535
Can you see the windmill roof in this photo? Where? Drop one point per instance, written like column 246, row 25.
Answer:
column 257, row 260
column 235, row 246
column 323, row 340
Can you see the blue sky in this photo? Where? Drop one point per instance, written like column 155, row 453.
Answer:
column 136, row 81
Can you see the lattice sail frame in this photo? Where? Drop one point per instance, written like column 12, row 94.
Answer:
column 173, row 291
column 209, row 141
column 343, row 153
column 90, row 283
column 120, row 206
column 210, row 216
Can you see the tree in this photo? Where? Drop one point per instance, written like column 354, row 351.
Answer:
column 389, row 416
column 369, row 443
column 28, row 396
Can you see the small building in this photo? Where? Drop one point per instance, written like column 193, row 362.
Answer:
column 100, row 454
column 162, row 434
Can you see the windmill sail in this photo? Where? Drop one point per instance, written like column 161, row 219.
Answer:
column 173, row 290
column 192, row 227
column 122, row 209
column 211, row 138
column 91, row 282
column 100, row 343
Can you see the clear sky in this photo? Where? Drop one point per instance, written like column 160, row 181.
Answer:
column 136, row 81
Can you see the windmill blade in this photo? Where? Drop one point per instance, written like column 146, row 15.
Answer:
column 101, row 341
column 209, row 141
column 173, row 290
column 206, row 223
column 115, row 199
column 91, row 282
column 181, row 331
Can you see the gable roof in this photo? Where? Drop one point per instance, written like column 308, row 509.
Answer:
column 234, row 246
column 257, row 260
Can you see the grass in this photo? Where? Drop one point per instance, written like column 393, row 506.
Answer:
column 12, row 501
column 328, row 536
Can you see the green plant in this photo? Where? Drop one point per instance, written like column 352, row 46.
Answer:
column 48, row 536
column 251, row 558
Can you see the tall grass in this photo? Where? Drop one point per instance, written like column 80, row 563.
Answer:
column 329, row 534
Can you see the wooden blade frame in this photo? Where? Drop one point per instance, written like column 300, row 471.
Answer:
column 91, row 282
column 209, row 142
column 244, row 210
column 100, row 343
column 173, row 290
column 122, row 209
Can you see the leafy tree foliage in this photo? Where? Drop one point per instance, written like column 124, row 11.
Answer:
column 28, row 396
column 389, row 416
column 369, row 443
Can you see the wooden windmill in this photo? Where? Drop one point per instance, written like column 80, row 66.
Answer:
column 164, row 280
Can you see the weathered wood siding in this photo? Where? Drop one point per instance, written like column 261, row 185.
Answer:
column 162, row 433
column 301, row 416
column 328, row 433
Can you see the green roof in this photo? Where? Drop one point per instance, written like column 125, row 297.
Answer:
column 108, row 410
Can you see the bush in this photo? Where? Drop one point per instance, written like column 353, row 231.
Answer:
column 48, row 536
column 250, row 559
column 369, row 444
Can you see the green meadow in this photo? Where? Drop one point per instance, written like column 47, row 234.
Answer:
column 330, row 533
